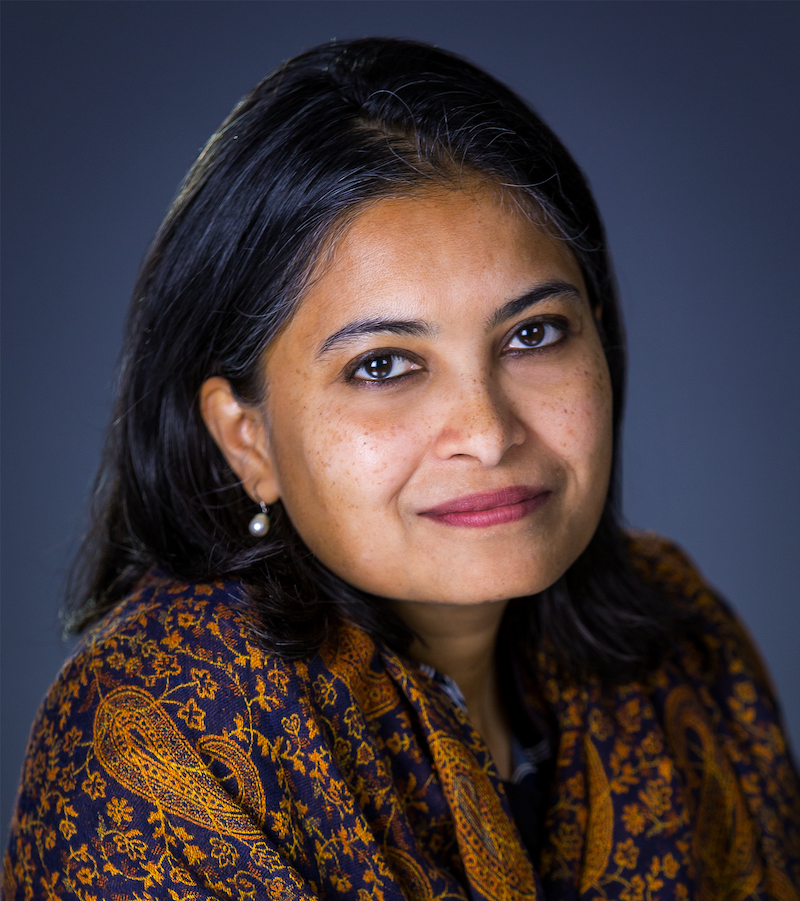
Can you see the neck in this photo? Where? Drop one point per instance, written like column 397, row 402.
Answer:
column 459, row 641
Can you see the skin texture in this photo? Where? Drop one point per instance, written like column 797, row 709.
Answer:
column 362, row 465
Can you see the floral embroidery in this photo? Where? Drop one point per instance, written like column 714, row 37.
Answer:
column 119, row 811
column 174, row 759
column 206, row 686
column 192, row 715
column 95, row 786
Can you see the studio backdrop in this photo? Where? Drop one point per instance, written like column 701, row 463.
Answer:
column 683, row 115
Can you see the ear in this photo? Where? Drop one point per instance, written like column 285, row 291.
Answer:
column 241, row 434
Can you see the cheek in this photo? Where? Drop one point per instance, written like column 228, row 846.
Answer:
column 593, row 417
column 596, row 428
column 337, row 460
column 575, row 419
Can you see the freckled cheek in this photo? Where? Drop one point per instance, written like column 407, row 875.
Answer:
column 575, row 420
column 346, row 458
column 593, row 424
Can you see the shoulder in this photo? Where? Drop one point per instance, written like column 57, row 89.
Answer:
column 161, row 606
column 169, row 681
column 170, row 712
column 178, row 668
column 666, row 566
column 727, row 645
column 660, row 559
column 183, row 657
column 170, row 640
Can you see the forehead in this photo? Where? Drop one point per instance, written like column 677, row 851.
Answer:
column 431, row 253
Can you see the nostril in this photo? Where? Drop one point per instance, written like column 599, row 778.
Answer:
column 477, row 427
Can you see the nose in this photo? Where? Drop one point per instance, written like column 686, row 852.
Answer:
column 477, row 422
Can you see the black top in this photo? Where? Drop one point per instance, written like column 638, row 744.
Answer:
column 527, row 791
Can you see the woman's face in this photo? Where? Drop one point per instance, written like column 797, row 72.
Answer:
column 438, row 416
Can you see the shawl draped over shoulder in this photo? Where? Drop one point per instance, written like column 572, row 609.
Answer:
column 174, row 759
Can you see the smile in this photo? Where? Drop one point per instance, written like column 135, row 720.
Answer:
column 490, row 509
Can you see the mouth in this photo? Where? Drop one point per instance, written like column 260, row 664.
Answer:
column 489, row 509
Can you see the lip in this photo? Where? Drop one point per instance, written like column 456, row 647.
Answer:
column 490, row 508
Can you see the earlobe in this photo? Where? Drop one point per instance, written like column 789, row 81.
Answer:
column 241, row 434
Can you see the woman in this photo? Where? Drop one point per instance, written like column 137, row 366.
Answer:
column 364, row 622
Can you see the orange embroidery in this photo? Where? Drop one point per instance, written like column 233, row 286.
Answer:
column 174, row 758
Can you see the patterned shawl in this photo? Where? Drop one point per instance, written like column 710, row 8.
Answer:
column 174, row 759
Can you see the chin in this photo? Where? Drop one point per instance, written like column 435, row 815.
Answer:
column 508, row 575
column 476, row 590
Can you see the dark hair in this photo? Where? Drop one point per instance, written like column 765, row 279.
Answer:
column 334, row 128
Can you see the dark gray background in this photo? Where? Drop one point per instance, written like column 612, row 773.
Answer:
column 685, row 117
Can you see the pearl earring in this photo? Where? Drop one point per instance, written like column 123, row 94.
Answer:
column 259, row 524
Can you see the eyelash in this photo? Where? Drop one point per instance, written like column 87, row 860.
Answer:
column 557, row 323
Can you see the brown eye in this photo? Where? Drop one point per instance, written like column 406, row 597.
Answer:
column 531, row 335
column 536, row 334
column 383, row 368
column 379, row 367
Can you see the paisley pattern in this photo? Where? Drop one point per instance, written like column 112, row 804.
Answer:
column 140, row 746
column 174, row 759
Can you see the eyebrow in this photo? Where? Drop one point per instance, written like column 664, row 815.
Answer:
column 554, row 288
column 418, row 328
column 415, row 328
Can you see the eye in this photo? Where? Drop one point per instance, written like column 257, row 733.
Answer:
column 538, row 334
column 383, row 367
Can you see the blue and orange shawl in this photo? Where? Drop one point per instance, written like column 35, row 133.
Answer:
column 174, row 759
